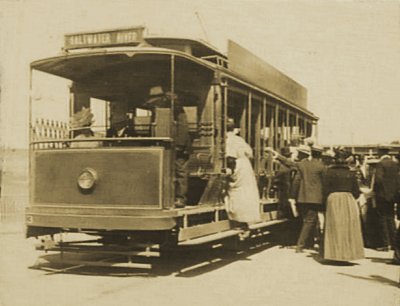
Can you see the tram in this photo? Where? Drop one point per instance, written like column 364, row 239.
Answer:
column 123, row 188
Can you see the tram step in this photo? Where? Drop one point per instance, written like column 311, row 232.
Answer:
column 76, row 264
column 210, row 238
column 266, row 224
column 104, row 250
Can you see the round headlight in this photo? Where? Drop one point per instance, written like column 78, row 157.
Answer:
column 87, row 179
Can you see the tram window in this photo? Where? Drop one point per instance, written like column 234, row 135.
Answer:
column 236, row 110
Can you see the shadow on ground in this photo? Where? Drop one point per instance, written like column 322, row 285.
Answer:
column 318, row 258
column 375, row 278
column 180, row 262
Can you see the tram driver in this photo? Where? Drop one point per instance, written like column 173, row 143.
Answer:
column 120, row 126
column 158, row 98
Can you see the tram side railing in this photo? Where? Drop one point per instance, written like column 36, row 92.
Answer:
column 48, row 130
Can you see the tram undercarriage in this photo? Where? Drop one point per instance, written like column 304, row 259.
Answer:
column 68, row 250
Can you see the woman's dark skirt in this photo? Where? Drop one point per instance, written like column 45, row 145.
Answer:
column 343, row 237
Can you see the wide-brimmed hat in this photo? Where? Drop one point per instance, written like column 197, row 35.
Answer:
column 81, row 119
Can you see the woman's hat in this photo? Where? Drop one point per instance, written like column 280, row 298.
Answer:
column 82, row 119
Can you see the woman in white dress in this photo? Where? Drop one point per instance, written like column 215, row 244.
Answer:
column 243, row 202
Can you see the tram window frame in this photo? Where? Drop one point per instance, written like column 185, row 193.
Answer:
column 237, row 110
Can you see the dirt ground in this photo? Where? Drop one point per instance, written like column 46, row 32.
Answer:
column 263, row 275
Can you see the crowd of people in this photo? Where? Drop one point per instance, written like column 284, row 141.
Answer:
column 345, row 202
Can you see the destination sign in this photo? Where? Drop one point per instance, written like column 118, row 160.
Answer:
column 132, row 36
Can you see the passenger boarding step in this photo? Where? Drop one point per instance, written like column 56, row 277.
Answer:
column 80, row 254
column 231, row 233
column 266, row 223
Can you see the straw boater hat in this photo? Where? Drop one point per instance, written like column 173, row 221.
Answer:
column 304, row 149
column 317, row 148
column 82, row 119
column 155, row 93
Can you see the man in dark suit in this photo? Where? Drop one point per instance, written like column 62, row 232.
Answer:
column 283, row 179
column 307, row 189
column 310, row 196
column 386, row 189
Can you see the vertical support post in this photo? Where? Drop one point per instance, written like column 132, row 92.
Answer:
column 315, row 130
column 172, row 127
column 216, row 215
column 31, row 145
column 219, row 92
column 243, row 121
column 276, row 138
column 282, row 139
column 71, row 109
column 306, row 127
column 249, row 106
column 106, row 115
column 263, row 127
column 288, row 133
column 30, row 108
column 223, row 124
column 257, row 139
column 173, row 89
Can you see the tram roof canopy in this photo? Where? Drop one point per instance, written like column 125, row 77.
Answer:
column 78, row 67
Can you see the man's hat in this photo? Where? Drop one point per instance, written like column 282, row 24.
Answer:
column 156, row 91
column 304, row 149
column 372, row 161
column 317, row 148
column 285, row 151
column 328, row 153
column 384, row 147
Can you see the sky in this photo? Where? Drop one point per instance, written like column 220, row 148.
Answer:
column 346, row 53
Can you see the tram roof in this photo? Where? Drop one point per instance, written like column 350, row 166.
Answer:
column 77, row 64
column 197, row 48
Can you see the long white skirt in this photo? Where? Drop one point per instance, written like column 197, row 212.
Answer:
column 243, row 201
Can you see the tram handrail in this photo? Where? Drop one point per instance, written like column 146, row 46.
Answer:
column 91, row 139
